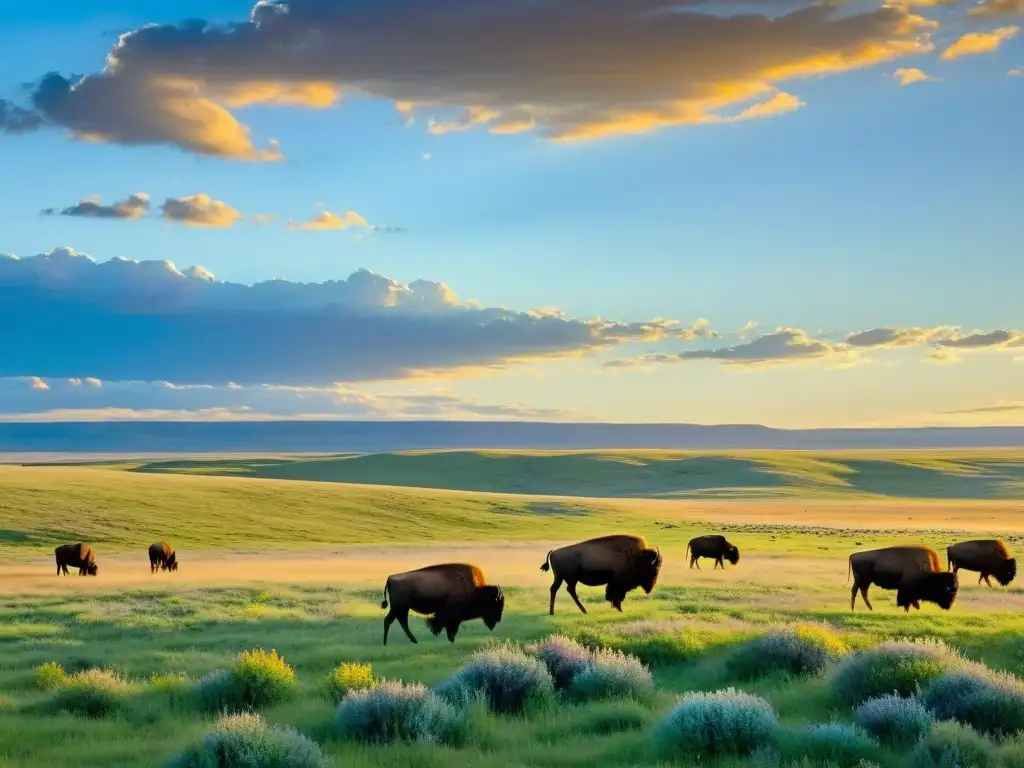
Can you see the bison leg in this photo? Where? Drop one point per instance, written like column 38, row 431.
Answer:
column 453, row 630
column 554, row 591
column 864, row 594
column 693, row 561
column 388, row 621
column 986, row 575
column 719, row 563
column 403, row 619
column 916, row 605
column 570, row 587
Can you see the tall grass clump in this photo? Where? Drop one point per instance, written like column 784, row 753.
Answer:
column 1010, row 753
column 259, row 679
column 953, row 745
column 394, row 711
column 830, row 744
column 796, row 651
column 564, row 657
column 899, row 666
column 245, row 741
column 348, row 677
column 727, row 722
column 503, row 676
column 894, row 720
column 613, row 674
column 990, row 702
column 92, row 693
column 49, row 676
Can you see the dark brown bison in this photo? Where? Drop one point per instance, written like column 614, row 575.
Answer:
column 621, row 562
column 915, row 573
column 715, row 547
column 78, row 556
column 162, row 557
column 989, row 557
column 447, row 594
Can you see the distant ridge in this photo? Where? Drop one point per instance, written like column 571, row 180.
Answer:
column 384, row 436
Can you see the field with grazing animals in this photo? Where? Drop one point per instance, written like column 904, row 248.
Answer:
column 121, row 669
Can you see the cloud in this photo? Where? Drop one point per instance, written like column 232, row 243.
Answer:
column 264, row 218
column 67, row 316
column 908, row 76
column 325, row 220
column 895, row 337
column 16, row 120
column 199, row 211
column 1016, row 72
column 505, row 65
column 1003, row 407
column 989, row 8
column 978, row 43
column 132, row 207
column 38, row 384
column 163, row 401
column 1001, row 339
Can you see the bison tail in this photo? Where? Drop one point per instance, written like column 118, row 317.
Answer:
column 547, row 562
column 384, row 604
column 849, row 568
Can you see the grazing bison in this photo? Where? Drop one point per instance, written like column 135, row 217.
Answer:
column 162, row 557
column 715, row 547
column 447, row 594
column 78, row 556
column 915, row 573
column 621, row 562
column 989, row 557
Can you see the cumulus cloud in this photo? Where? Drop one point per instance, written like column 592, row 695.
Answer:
column 69, row 316
column 1000, row 339
column 978, row 43
column 132, row 207
column 325, row 220
column 910, row 75
column 1016, row 72
column 896, row 337
column 16, row 120
column 991, row 8
column 38, row 384
column 506, row 65
column 199, row 211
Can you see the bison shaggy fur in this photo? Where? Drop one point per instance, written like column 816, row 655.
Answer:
column 715, row 547
column 989, row 557
column 78, row 556
column 915, row 572
column 447, row 594
column 162, row 557
column 620, row 562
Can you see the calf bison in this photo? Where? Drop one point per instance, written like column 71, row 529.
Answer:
column 915, row 572
column 621, row 562
column 447, row 594
column 715, row 547
column 989, row 557
column 162, row 557
column 78, row 556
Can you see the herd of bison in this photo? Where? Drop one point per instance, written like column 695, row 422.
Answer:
column 452, row 593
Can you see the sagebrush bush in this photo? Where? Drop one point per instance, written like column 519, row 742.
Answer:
column 564, row 657
column 259, row 679
column 245, row 741
column 831, row 744
column 727, row 722
column 952, row 745
column 990, row 702
column 503, row 676
column 348, row 677
column 900, row 666
column 395, row 711
column 93, row 693
column 800, row 650
column 894, row 720
column 612, row 674
column 49, row 676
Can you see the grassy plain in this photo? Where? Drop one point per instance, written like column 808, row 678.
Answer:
column 298, row 566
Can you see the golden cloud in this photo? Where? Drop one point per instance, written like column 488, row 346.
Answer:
column 979, row 43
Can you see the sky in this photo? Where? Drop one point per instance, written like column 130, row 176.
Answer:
column 787, row 212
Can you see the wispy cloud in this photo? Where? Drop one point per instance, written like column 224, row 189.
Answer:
column 992, row 8
column 325, row 221
column 132, row 207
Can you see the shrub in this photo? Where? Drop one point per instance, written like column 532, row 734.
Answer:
column 901, row 666
column 50, row 675
column 348, row 677
column 564, row 658
column 894, row 720
column 952, row 745
column 613, row 674
column 831, row 743
column 727, row 722
column 245, row 741
column 800, row 650
column 393, row 711
column 990, row 702
column 505, row 677
column 1011, row 752
column 258, row 679
column 93, row 693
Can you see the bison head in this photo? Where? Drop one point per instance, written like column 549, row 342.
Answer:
column 172, row 563
column 1007, row 571
column 732, row 554
column 490, row 602
column 648, row 566
column 938, row 588
column 92, row 569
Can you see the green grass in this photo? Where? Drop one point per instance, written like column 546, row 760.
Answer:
column 647, row 474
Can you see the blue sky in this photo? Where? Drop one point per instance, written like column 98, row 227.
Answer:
column 874, row 205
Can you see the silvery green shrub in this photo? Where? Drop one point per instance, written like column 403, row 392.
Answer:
column 894, row 720
column 503, row 676
column 394, row 711
column 245, row 741
column 899, row 666
column 727, row 722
